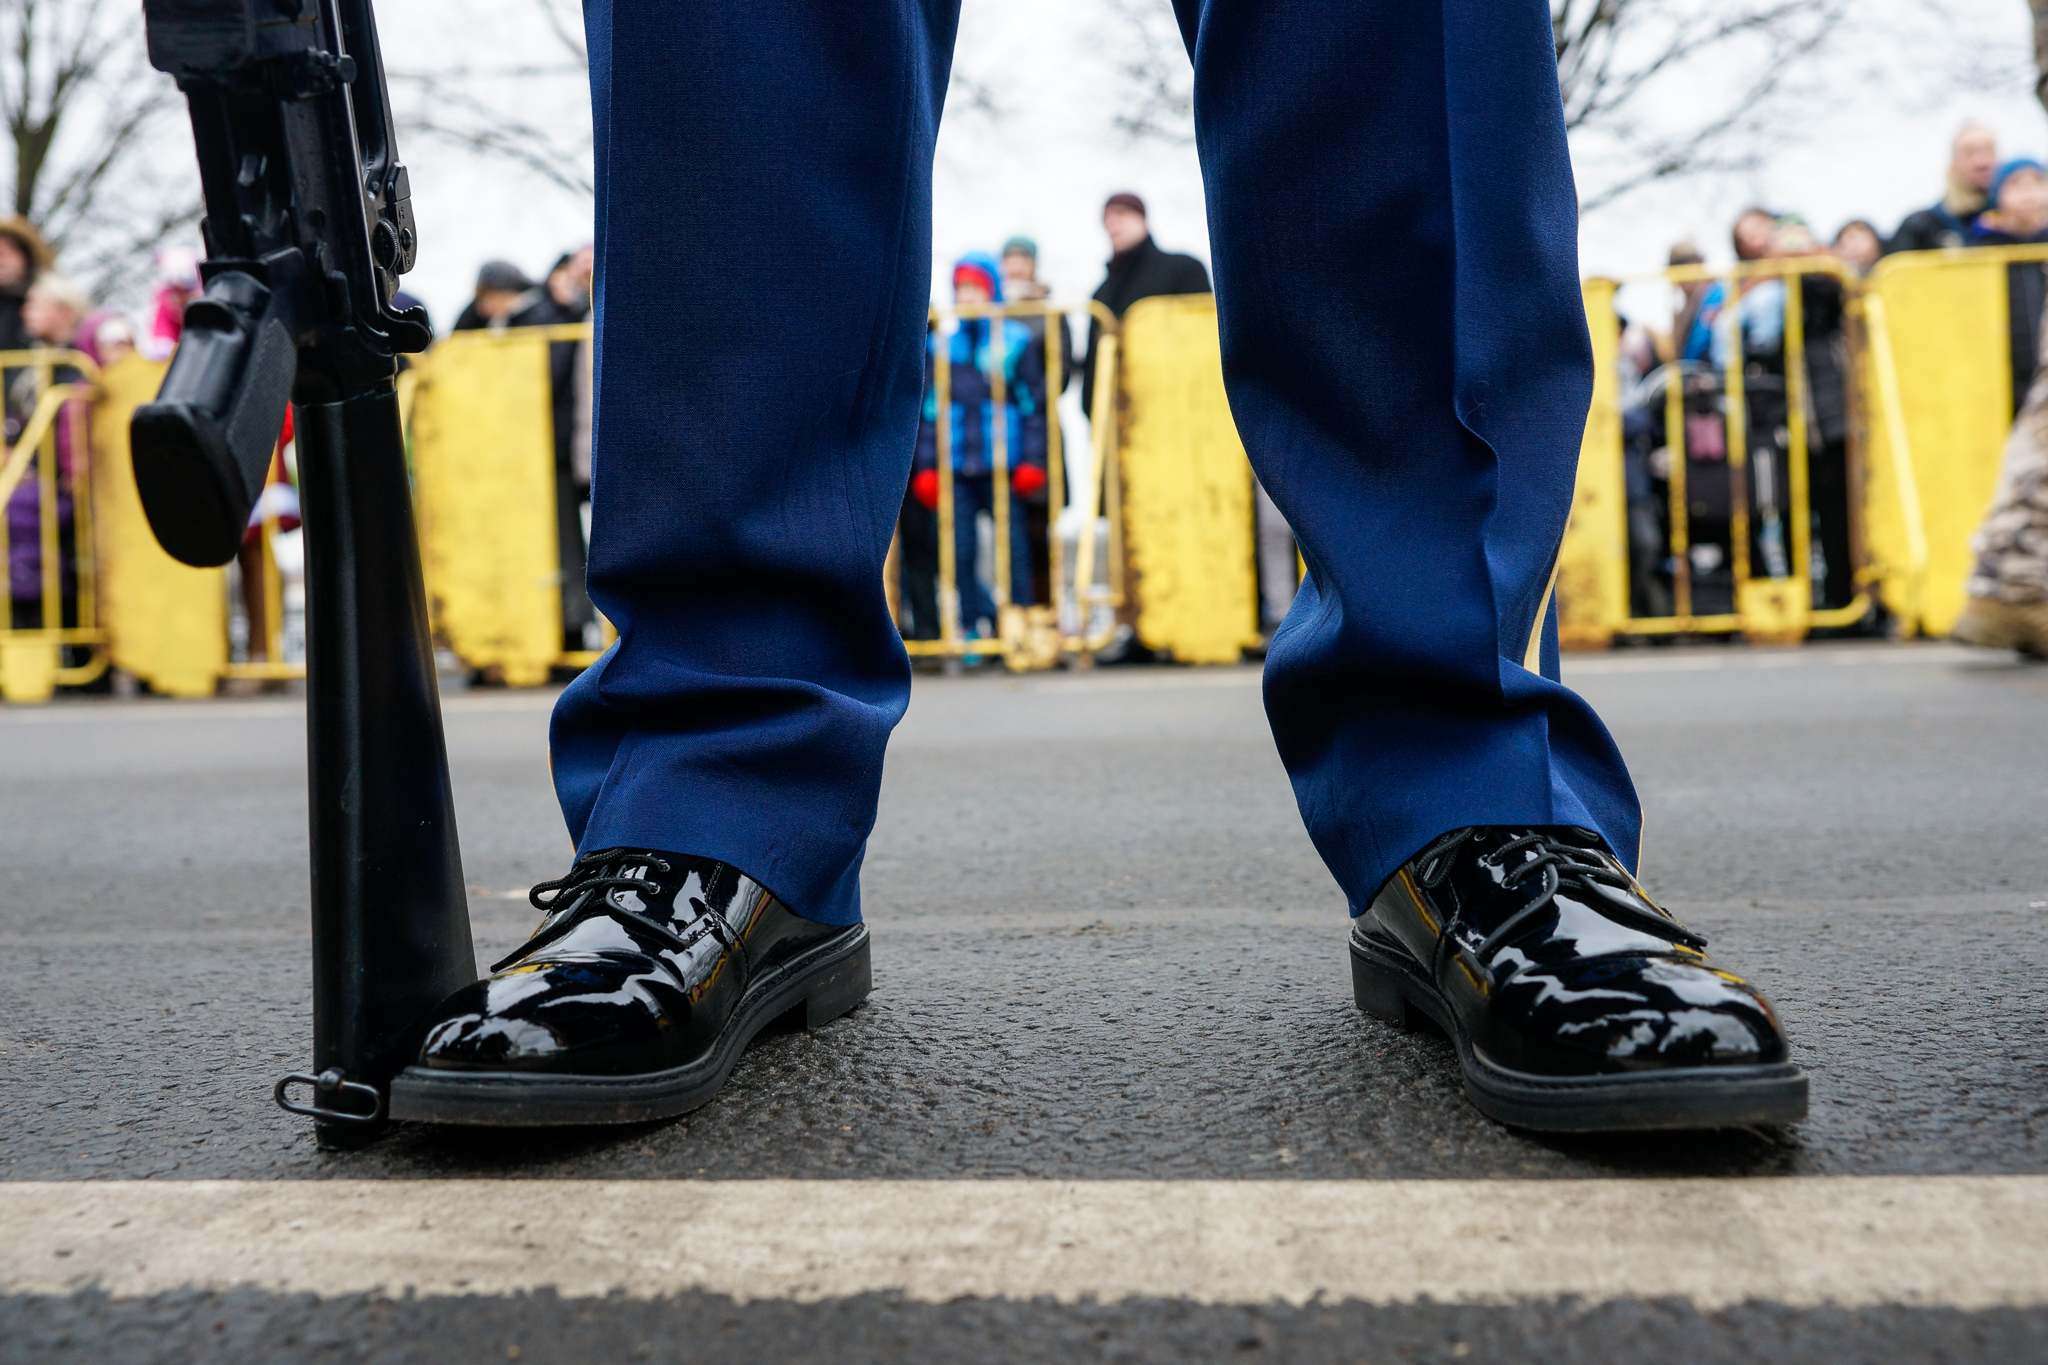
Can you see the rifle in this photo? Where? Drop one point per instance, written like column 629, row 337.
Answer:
column 308, row 227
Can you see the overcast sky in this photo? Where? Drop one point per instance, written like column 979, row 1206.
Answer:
column 1871, row 140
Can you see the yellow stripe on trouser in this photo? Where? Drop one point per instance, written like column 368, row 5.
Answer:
column 1532, row 657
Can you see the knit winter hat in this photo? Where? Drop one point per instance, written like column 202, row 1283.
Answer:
column 2018, row 163
column 30, row 241
column 976, row 267
column 1125, row 200
column 1023, row 244
column 503, row 275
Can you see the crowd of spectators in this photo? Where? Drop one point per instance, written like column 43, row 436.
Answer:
column 1723, row 327
column 975, row 350
column 42, row 310
column 1984, row 201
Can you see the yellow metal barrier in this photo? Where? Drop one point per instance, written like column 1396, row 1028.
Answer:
column 136, row 609
column 482, row 437
column 1939, row 363
column 1187, row 487
column 1592, row 583
column 480, row 427
column 167, row 623
column 1933, row 398
column 1907, row 596
column 1592, row 564
column 1932, row 382
column 32, row 656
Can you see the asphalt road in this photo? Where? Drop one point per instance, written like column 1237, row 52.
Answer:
column 1104, row 950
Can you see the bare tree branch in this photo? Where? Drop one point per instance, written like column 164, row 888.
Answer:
column 966, row 94
column 1615, row 58
column 565, row 33
column 1590, row 83
column 446, row 109
column 480, row 108
column 120, row 264
column 2040, row 8
column 83, row 112
column 76, row 193
column 1733, row 137
column 1158, row 102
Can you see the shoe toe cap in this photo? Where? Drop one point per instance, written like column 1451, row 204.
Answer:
column 474, row 1038
column 562, row 1017
column 1640, row 1013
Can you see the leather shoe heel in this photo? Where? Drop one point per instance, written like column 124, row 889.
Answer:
column 1377, row 988
column 839, row 988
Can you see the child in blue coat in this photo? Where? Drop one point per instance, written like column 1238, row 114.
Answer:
column 975, row 350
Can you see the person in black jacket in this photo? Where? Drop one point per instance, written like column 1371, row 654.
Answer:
column 1138, row 270
column 2019, row 215
column 1821, row 307
column 566, row 291
column 503, row 297
column 1972, row 162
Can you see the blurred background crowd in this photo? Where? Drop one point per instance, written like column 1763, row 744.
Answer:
column 1660, row 103
column 1983, row 198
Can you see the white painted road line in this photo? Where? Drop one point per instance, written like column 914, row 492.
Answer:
column 237, row 710
column 1723, row 657
column 1960, row 1241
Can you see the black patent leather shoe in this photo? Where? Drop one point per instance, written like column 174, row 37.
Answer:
column 648, row 976
column 1577, row 1003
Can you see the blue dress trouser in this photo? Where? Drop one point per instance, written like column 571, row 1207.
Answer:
column 1393, row 225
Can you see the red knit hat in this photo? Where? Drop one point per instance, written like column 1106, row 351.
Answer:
column 971, row 272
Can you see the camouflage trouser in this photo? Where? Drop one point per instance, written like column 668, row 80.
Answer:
column 2012, row 542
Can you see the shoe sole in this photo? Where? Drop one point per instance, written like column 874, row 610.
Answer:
column 1975, row 630
column 1985, row 635
column 825, row 983
column 1695, row 1097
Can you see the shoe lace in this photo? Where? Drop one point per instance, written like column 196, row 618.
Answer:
column 1560, row 865
column 567, row 901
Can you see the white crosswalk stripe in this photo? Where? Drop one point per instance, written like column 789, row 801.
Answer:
column 1960, row 1241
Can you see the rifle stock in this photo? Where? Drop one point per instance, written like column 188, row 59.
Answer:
column 308, row 227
